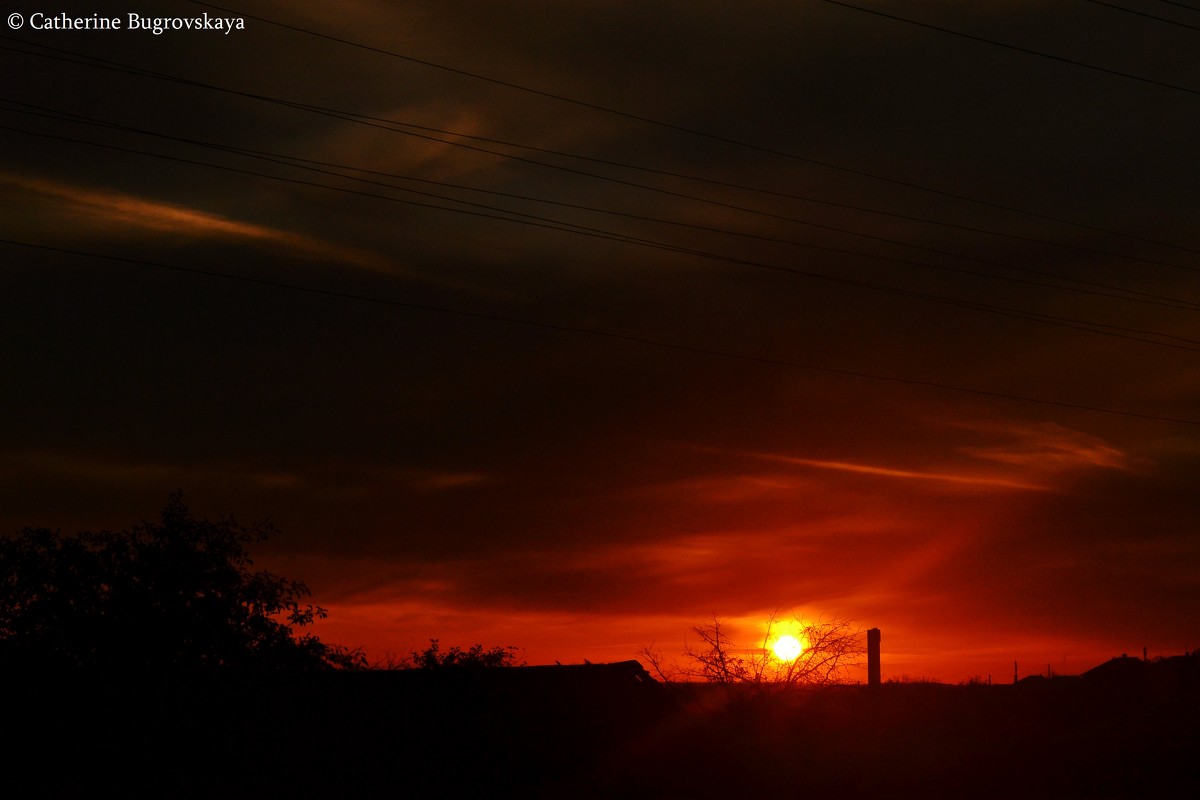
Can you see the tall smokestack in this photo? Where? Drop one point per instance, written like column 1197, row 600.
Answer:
column 873, row 674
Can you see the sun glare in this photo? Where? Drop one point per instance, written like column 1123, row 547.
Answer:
column 787, row 648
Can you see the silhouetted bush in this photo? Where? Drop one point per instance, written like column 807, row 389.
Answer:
column 176, row 595
column 475, row 657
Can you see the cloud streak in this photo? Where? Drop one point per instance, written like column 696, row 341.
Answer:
column 106, row 208
column 904, row 474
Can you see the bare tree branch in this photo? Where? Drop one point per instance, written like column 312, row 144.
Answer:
column 829, row 648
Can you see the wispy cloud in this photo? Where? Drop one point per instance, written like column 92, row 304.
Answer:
column 441, row 481
column 128, row 211
column 1049, row 448
column 733, row 488
column 424, row 153
column 904, row 474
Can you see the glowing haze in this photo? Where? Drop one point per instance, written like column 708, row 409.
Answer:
column 582, row 410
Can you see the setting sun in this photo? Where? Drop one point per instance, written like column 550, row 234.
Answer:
column 787, row 648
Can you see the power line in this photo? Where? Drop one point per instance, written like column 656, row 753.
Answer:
column 1101, row 329
column 597, row 332
column 681, row 128
column 382, row 123
column 386, row 125
column 1180, row 5
column 1013, row 47
column 365, row 119
column 288, row 160
column 681, row 251
column 561, row 225
column 1144, row 14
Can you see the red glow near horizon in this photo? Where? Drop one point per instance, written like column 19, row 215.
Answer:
column 874, row 345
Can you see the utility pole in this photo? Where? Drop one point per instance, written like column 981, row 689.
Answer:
column 874, row 677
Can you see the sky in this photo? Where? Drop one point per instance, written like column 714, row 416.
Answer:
column 574, row 325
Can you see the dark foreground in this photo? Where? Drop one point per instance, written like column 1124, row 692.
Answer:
column 1130, row 731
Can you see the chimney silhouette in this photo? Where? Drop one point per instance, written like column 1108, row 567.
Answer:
column 873, row 673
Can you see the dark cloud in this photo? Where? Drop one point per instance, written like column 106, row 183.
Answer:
column 469, row 457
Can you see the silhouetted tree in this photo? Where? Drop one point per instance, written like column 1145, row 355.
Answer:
column 475, row 657
column 178, row 594
column 829, row 648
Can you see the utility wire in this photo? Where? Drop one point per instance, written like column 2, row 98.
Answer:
column 387, row 125
column 557, row 225
column 1129, row 295
column 1026, row 50
column 769, row 192
column 600, row 333
column 1144, row 14
column 681, row 128
column 383, row 124
column 1180, row 5
column 1101, row 329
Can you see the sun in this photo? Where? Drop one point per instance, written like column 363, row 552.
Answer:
column 787, row 648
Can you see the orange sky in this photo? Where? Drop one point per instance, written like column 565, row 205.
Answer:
column 881, row 324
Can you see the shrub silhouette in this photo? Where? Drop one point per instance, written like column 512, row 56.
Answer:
column 176, row 595
column 476, row 657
